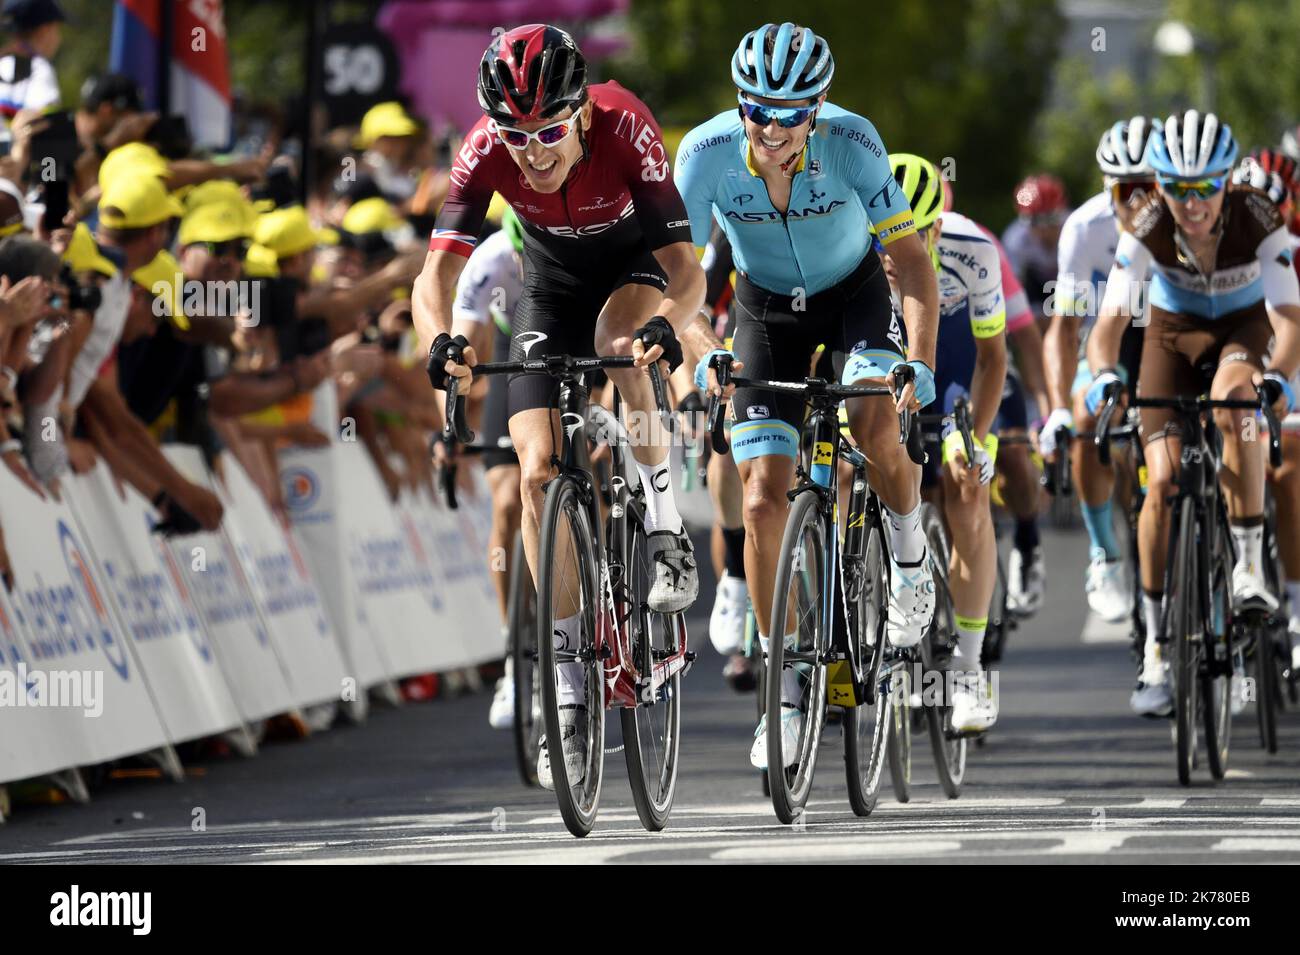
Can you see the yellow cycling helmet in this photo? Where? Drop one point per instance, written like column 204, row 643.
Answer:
column 921, row 183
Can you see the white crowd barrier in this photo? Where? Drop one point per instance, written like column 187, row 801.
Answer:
column 169, row 640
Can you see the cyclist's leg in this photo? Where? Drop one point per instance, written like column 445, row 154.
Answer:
column 1242, row 474
column 1027, row 575
column 727, row 622
column 872, row 336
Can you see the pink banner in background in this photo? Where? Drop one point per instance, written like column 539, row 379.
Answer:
column 440, row 43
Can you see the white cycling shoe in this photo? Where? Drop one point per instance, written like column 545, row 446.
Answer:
column 1026, row 586
column 911, row 602
column 502, row 714
column 1294, row 633
column 1237, row 691
column 1250, row 590
column 1153, row 697
column 573, row 741
column 974, row 704
column 791, row 727
column 727, row 622
column 1107, row 586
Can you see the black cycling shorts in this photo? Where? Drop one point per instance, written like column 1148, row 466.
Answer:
column 557, row 314
column 777, row 340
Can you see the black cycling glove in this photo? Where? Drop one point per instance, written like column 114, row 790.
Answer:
column 657, row 331
column 445, row 348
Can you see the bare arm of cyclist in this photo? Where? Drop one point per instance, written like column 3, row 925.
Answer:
column 919, row 293
column 431, row 299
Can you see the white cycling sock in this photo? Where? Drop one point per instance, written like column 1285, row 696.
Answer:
column 660, row 505
column 970, row 644
column 792, row 680
column 569, row 677
column 906, row 542
column 1151, row 608
column 1250, row 546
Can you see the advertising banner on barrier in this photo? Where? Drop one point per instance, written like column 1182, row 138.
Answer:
column 38, row 727
column 245, row 646
column 62, row 608
column 404, row 602
column 311, row 493
column 456, row 545
column 146, row 591
column 285, row 591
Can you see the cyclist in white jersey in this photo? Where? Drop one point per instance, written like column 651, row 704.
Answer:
column 1085, row 255
column 971, row 363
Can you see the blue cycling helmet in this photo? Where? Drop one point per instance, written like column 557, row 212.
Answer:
column 783, row 62
column 1191, row 146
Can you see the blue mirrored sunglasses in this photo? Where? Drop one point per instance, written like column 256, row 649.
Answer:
column 786, row 117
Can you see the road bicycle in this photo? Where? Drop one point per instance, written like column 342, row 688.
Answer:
column 1201, row 636
column 627, row 657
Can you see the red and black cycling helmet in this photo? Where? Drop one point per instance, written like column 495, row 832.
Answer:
column 1040, row 196
column 529, row 73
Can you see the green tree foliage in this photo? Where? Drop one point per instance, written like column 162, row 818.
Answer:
column 959, row 80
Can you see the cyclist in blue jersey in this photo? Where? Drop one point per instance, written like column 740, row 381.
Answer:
column 795, row 181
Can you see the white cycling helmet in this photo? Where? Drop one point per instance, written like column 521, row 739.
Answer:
column 1192, row 145
column 1122, row 150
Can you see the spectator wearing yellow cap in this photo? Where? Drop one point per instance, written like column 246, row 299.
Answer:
column 392, row 141
column 135, row 213
column 372, row 231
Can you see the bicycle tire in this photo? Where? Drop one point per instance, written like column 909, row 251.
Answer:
column 949, row 748
column 651, row 756
column 1181, row 607
column 866, row 727
column 900, row 735
column 564, row 509
column 791, row 787
column 1216, row 689
column 522, row 615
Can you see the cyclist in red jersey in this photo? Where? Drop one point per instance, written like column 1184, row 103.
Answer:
column 609, row 269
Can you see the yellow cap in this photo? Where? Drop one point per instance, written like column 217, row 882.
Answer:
column 133, row 157
column 136, row 200
column 217, row 222
column 162, row 277
column 261, row 263
column 83, row 255
column 384, row 119
column 288, row 232
column 371, row 215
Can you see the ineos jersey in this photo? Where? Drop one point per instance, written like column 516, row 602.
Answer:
column 619, row 197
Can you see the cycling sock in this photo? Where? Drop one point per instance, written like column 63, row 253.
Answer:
column 569, row 677
column 906, row 542
column 1027, row 539
column 1248, row 535
column 733, row 539
column 1096, row 518
column 970, row 642
column 1151, row 608
column 660, row 505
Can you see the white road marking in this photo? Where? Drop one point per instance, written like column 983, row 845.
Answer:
column 1255, row 844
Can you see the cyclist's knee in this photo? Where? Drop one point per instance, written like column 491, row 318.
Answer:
column 765, row 499
column 534, row 470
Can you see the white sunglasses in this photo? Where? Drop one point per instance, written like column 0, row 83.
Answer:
column 551, row 135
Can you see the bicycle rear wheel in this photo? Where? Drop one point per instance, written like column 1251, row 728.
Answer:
column 949, row 748
column 900, row 735
column 866, row 727
column 1183, row 630
column 798, row 609
column 522, row 614
column 568, row 586
column 652, row 729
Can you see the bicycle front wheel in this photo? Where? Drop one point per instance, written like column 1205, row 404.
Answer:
column 1182, row 627
column 652, row 729
column 522, row 614
column 1215, row 685
column 572, row 688
column 798, row 611
column 867, row 726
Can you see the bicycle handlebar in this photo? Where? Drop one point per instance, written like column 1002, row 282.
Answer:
column 1188, row 406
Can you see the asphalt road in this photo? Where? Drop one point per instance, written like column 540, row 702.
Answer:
column 1068, row 775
